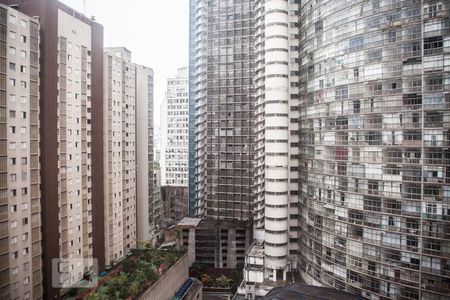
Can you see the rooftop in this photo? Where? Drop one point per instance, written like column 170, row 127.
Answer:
column 300, row 291
column 189, row 222
column 212, row 223
column 256, row 250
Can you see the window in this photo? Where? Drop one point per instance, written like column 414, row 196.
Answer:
column 23, row 84
column 13, row 177
column 12, row 98
column 23, row 23
column 23, row 130
column 12, row 34
column 14, row 225
column 23, row 38
column 356, row 44
column 12, row 19
column 12, row 66
column 23, row 99
column 23, row 53
column 392, row 36
column 12, row 82
column 23, row 160
column 24, row 191
column 23, row 69
column 12, row 145
column 13, row 208
column 12, row 129
column 433, row 45
column 24, row 115
column 23, row 145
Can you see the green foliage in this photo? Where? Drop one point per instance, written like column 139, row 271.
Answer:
column 118, row 287
column 197, row 269
column 223, row 281
column 138, row 272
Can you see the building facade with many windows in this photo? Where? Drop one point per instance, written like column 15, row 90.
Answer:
column 223, row 95
column 174, row 161
column 71, row 100
column 119, row 157
column 374, row 166
column 20, row 223
column 276, row 153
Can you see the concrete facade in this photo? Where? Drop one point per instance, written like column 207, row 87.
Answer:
column 174, row 200
column 119, row 161
column 216, row 243
column 20, row 209
column 166, row 286
column 71, row 96
column 144, row 155
column 175, row 131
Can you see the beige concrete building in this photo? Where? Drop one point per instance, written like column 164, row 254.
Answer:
column 71, row 94
column 144, row 155
column 119, row 154
column 20, row 209
column 74, row 144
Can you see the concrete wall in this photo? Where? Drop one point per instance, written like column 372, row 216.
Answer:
column 169, row 283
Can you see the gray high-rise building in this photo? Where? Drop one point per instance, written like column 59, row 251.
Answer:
column 358, row 93
column 374, row 148
column 224, row 118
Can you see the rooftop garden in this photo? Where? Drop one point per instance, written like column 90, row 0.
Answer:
column 218, row 278
column 137, row 272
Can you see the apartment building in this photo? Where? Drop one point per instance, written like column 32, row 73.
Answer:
column 192, row 31
column 20, row 217
column 276, row 153
column 364, row 85
column 71, row 96
column 145, row 221
column 175, row 131
column 374, row 162
column 223, row 95
column 119, row 154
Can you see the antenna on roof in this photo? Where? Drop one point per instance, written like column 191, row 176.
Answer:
column 84, row 7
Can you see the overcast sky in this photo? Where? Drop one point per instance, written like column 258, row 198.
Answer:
column 156, row 32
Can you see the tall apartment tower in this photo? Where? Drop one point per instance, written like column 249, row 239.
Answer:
column 20, row 207
column 374, row 166
column 145, row 220
column 71, row 80
column 276, row 153
column 192, row 62
column 224, row 117
column 119, row 154
column 175, row 131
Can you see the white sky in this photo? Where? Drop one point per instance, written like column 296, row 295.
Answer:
column 156, row 32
